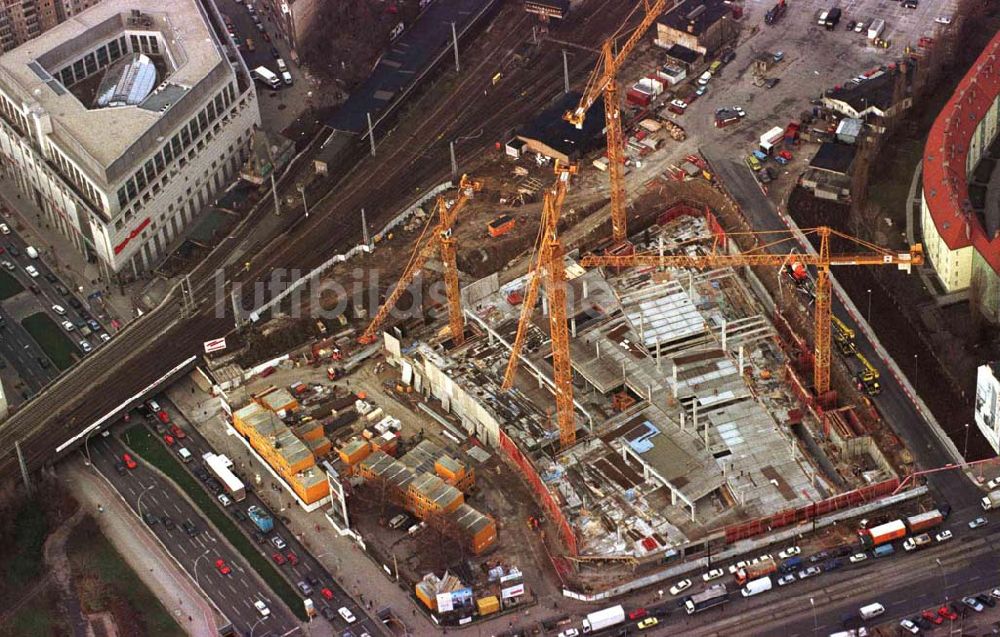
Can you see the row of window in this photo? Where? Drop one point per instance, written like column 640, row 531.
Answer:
column 173, row 150
column 93, row 61
column 70, row 173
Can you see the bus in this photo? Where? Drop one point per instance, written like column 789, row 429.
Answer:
column 711, row 596
column 219, row 466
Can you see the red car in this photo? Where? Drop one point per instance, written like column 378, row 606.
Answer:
column 129, row 462
column 293, row 559
column 223, row 567
column 267, row 38
column 278, row 558
column 178, row 432
column 167, row 438
column 638, row 613
column 163, row 416
column 932, row 617
column 947, row 613
column 327, row 593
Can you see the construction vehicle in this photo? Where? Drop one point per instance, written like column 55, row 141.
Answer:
column 439, row 239
column 754, row 571
column 774, row 13
column 603, row 81
column 924, row 521
column 549, row 259
column 500, row 226
column 882, row 533
column 769, row 250
column 867, row 378
column 843, row 336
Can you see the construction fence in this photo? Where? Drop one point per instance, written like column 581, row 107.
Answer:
column 542, row 493
column 752, row 528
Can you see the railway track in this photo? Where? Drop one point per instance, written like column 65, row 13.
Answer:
column 414, row 154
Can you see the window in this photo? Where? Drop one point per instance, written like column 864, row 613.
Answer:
column 123, row 44
column 154, row 44
column 78, row 69
column 168, row 153
column 119, row 224
column 203, row 120
column 135, row 44
column 140, row 179
column 114, row 50
column 122, row 197
column 220, row 104
column 194, row 128
column 66, row 76
column 159, row 162
column 102, row 56
column 175, row 145
column 91, row 63
column 150, row 171
column 130, row 187
column 185, row 137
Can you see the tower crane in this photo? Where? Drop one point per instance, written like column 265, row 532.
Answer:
column 603, row 80
column 549, row 260
column 439, row 238
column 770, row 253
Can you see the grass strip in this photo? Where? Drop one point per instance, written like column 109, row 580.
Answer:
column 50, row 338
column 147, row 446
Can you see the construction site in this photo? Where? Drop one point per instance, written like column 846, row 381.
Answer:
column 626, row 382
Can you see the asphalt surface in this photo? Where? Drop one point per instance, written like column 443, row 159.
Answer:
column 233, row 594
column 17, row 347
column 245, row 28
column 307, row 565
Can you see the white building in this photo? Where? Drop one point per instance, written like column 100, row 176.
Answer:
column 988, row 404
column 124, row 181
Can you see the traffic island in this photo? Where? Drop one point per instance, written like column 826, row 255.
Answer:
column 50, row 338
column 150, row 449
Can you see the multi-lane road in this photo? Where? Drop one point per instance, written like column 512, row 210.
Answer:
column 308, row 566
column 234, row 594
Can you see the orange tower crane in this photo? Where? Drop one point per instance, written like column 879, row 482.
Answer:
column 770, row 254
column 549, row 259
column 603, row 80
column 440, row 239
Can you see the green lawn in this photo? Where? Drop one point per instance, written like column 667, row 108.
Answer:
column 148, row 447
column 110, row 584
column 37, row 618
column 9, row 286
column 51, row 339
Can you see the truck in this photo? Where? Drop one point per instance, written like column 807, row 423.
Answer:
column 264, row 75
column 770, row 139
column 876, row 28
column 833, row 18
column 882, row 533
column 757, row 586
column 775, row 13
column 992, row 500
column 924, row 521
column 261, row 518
column 883, row 551
column 916, row 542
column 753, row 571
column 791, row 565
column 601, row 619
column 712, row 596
column 220, row 466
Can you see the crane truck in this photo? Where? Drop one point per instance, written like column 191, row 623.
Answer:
column 867, row 378
column 844, row 337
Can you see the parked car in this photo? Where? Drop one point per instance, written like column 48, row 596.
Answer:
column 293, row 559
column 261, row 608
column 304, row 588
column 278, row 542
column 791, row 551
column 328, row 613
column 932, row 617
column 326, row 593
column 986, row 599
column 909, row 626
column 222, row 567
column 947, row 613
column 809, row 572
column 346, row 614
column 715, row 573
column 786, row 579
column 278, row 558
column 858, row 557
column 649, row 622
column 978, row 522
column 973, row 603
column 224, row 500
column 943, row 536
column 680, row 587
column 638, row 613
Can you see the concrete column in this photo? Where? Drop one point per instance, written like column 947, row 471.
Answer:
column 572, row 326
column 725, row 324
column 741, row 360
column 673, row 377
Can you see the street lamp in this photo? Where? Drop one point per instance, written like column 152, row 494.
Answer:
column 812, row 603
column 944, row 578
column 868, row 317
column 302, row 191
column 194, row 567
column 916, row 370
column 965, row 452
column 138, row 502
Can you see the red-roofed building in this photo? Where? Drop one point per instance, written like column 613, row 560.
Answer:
column 957, row 239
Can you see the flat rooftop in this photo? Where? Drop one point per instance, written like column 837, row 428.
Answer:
column 105, row 134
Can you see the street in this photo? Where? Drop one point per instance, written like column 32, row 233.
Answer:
column 147, row 493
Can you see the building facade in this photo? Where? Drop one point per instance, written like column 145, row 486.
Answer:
column 960, row 232
column 23, row 20
column 123, row 181
column 987, row 412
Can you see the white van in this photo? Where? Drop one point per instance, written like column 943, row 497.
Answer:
column 185, row 455
column 31, row 252
column 757, row 586
column 704, row 78
column 876, row 28
column 264, row 75
column 871, row 610
column 286, row 77
column 822, row 18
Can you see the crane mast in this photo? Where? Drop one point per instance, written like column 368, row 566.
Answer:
column 438, row 239
column 603, row 80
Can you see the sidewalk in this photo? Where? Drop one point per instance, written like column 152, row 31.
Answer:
column 58, row 252
column 160, row 573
